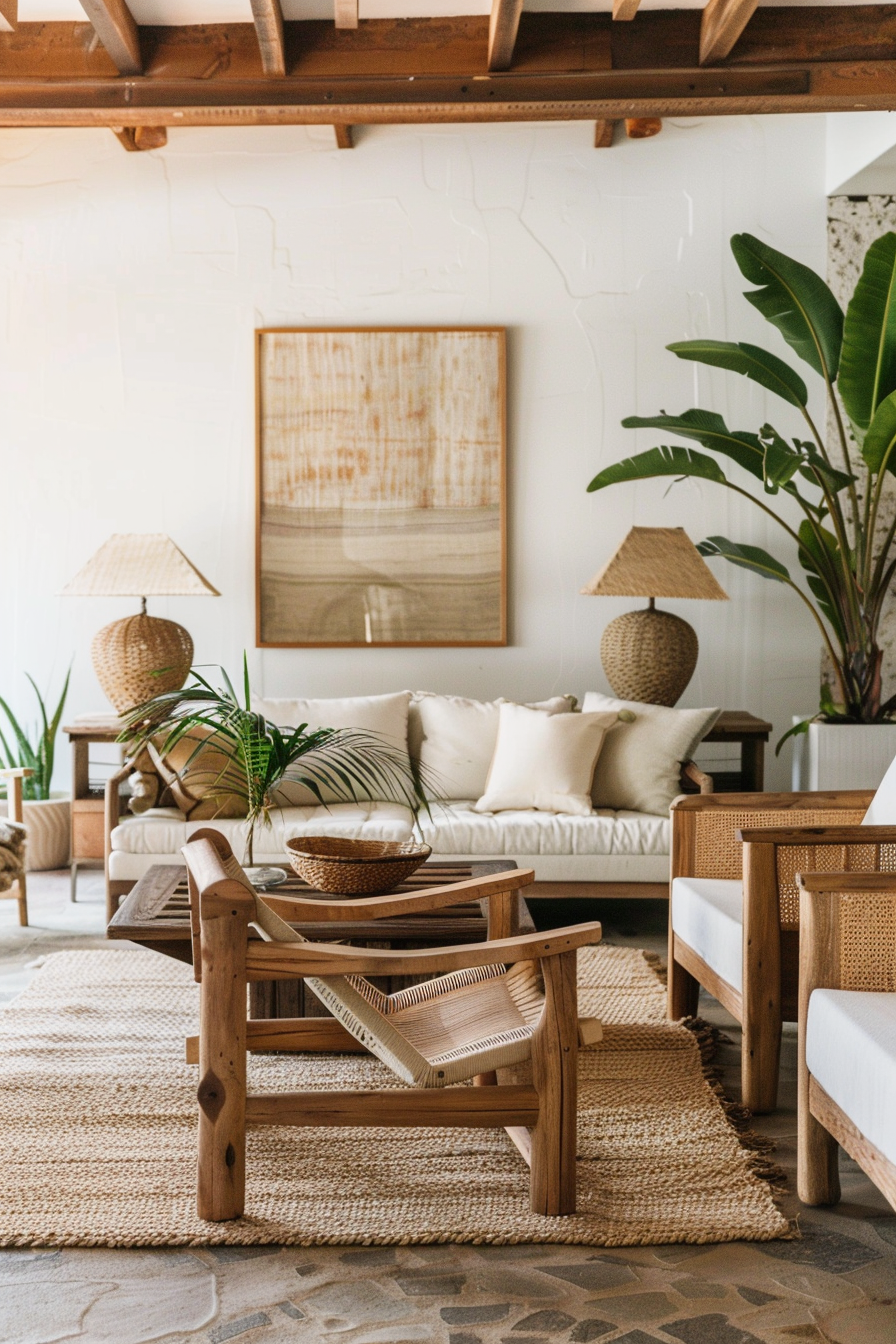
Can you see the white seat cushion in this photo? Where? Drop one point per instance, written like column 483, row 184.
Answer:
column 164, row 830
column 457, row 828
column 851, row 1052
column 708, row 914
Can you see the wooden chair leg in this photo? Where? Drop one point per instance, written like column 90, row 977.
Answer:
column 760, row 1060
column 554, row 1072
column 22, row 899
column 221, row 1187
column 817, row 1171
column 682, row 991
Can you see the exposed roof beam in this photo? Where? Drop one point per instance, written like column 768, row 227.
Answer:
column 344, row 139
column 268, row 18
column 503, row 27
column 722, row 24
column 8, row 15
column 114, row 25
column 135, row 138
column 346, row 13
column 625, row 9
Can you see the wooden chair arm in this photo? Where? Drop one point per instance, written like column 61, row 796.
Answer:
column 825, row 937
column 16, row 772
column 841, row 883
column 847, row 799
column 271, row 961
column 318, row 910
column 691, row 771
column 819, row 835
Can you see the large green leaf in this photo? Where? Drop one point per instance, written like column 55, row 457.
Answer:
column 879, row 444
column 709, row 430
column 795, row 300
column 665, row 461
column 750, row 360
column 819, row 555
column 747, row 557
column 868, row 359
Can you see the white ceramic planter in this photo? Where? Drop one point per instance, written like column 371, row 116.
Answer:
column 848, row 755
column 48, row 827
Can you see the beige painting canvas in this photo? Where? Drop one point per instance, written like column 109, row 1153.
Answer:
column 381, row 487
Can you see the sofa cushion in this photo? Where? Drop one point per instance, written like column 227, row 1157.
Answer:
column 457, row 828
column 708, row 914
column 851, row 1052
column 384, row 715
column 640, row 763
column 544, row 761
column 165, row 831
column 453, row 739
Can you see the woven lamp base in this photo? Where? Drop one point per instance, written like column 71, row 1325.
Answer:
column 649, row 655
column 127, row 653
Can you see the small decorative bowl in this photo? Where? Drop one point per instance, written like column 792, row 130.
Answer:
column 354, row 867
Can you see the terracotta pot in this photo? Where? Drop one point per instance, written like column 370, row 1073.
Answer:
column 48, row 826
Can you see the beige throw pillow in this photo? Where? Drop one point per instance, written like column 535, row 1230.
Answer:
column 544, row 761
column 385, row 715
column 453, row 738
column 640, row 764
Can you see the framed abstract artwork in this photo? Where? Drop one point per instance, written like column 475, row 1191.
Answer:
column 380, row 486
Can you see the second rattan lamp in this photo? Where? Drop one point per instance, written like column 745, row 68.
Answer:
column 140, row 656
column 650, row 655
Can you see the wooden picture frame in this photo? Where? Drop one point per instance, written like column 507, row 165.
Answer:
column 380, row 487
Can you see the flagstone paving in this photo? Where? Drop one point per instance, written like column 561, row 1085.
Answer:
column 836, row 1284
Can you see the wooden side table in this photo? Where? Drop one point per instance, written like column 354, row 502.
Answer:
column 736, row 725
column 88, row 828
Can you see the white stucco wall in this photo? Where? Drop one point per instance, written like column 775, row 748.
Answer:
column 130, row 285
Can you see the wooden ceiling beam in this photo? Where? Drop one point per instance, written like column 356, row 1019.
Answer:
column 503, row 26
column 722, row 24
column 268, row 18
column 116, row 28
column 9, row 14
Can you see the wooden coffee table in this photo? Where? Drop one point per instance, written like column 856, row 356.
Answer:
column 156, row 913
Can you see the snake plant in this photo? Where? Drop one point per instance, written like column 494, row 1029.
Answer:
column 831, row 495
column 37, row 752
column 260, row 756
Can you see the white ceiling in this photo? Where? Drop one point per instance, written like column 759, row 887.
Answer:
column 239, row 11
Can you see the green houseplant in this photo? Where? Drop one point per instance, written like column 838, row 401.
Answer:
column 259, row 757
column 37, row 751
column 828, row 495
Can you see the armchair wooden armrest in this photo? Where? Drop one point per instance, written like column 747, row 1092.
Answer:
column 819, row 835
column 847, row 799
column 268, row 961
column 15, row 775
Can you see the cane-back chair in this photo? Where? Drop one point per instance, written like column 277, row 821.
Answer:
column 735, row 912
column 492, row 1005
column 13, row 841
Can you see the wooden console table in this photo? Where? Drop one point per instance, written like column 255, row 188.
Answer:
column 736, row 725
column 156, row 913
column 88, row 844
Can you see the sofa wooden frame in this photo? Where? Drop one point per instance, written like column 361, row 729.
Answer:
column 822, row 1124
column 540, row 1117
column 803, row 833
column 14, row 776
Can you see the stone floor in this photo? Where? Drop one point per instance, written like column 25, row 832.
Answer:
column 836, row 1284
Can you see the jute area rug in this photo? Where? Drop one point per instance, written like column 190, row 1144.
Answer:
column 98, row 1116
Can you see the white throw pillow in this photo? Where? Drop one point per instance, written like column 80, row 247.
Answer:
column 385, row 715
column 453, row 739
column 544, row 761
column 640, row 765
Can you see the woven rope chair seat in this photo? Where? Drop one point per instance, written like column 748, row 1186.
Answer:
column 443, row 1031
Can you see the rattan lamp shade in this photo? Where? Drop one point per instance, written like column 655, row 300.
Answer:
column 650, row 655
column 140, row 656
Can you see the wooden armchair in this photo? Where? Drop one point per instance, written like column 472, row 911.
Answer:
column 475, row 1017
column 12, row 853
column 734, row 909
column 847, row 1031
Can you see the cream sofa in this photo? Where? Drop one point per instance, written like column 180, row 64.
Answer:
column 613, row 851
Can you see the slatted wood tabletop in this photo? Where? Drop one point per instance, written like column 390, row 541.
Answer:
column 156, row 913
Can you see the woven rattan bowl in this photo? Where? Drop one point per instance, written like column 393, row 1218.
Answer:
column 354, row 867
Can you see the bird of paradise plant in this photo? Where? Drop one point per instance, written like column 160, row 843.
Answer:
column 260, row 756
column 836, row 503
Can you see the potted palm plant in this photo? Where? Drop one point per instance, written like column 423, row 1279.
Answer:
column 47, row 818
column 254, row 759
column 831, row 494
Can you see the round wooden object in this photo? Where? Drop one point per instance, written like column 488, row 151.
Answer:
column 354, row 867
column 127, row 653
column 649, row 656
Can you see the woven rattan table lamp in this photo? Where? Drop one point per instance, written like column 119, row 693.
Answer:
column 650, row 655
column 140, row 656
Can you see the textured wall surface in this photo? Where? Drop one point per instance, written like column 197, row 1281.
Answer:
column 130, row 286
